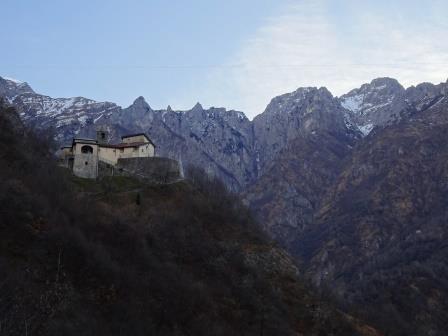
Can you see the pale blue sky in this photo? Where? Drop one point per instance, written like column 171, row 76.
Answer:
column 117, row 50
column 233, row 53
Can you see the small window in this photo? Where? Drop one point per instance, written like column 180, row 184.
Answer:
column 86, row 150
column 86, row 163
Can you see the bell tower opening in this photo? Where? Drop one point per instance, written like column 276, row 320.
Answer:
column 86, row 149
column 102, row 135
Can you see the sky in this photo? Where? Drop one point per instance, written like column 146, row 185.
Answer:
column 237, row 54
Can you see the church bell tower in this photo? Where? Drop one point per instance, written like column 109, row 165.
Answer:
column 102, row 135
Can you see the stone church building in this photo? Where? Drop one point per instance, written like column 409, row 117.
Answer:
column 85, row 155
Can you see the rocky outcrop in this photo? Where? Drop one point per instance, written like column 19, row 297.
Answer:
column 217, row 140
column 301, row 141
column 11, row 88
column 383, row 101
column 286, row 197
column 380, row 233
column 375, row 104
column 225, row 143
column 299, row 114
column 66, row 116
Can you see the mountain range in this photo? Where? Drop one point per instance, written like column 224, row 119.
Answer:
column 354, row 187
column 116, row 256
column 225, row 143
column 367, row 217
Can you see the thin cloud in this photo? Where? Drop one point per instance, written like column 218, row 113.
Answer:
column 310, row 45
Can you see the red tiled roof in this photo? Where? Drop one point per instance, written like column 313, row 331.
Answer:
column 125, row 145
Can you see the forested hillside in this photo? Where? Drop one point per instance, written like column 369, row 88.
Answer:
column 114, row 257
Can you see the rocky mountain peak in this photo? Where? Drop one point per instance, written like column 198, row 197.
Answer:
column 291, row 103
column 384, row 82
column 377, row 103
column 444, row 88
column 197, row 108
column 364, row 98
column 140, row 103
column 304, row 112
column 11, row 88
column 301, row 92
column 421, row 91
column 236, row 148
column 138, row 110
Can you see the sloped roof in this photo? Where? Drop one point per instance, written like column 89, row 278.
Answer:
column 124, row 145
column 133, row 135
column 137, row 134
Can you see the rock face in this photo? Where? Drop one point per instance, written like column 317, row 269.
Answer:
column 297, row 115
column 288, row 194
column 380, row 233
column 301, row 140
column 217, row 140
column 67, row 116
column 375, row 104
column 224, row 143
column 11, row 88
column 367, row 217
column 382, row 102
column 286, row 197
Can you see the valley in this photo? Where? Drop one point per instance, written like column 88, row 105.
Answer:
column 353, row 187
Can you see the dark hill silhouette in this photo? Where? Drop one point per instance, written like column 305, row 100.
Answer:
column 115, row 257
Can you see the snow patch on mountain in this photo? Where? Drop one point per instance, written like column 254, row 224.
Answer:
column 353, row 103
column 366, row 129
column 241, row 115
column 15, row 81
column 371, row 108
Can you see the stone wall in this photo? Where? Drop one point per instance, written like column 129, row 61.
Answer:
column 148, row 169
column 86, row 165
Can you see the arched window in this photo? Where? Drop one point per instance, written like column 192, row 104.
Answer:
column 86, row 149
